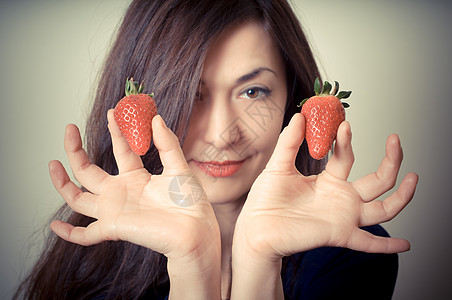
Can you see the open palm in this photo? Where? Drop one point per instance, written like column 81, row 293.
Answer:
column 287, row 212
column 168, row 213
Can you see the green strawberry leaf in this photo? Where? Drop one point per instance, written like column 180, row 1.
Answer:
column 326, row 88
column 344, row 95
column 345, row 105
column 302, row 102
column 127, row 89
column 133, row 87
column 317, row 86
column 139, row 88
column 336, row 88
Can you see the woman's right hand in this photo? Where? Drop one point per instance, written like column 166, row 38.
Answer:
column 168, row 213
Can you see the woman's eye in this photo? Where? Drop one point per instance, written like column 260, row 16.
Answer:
column 255, row 93
column 252, row 93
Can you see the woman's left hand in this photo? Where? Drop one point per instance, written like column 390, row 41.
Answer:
column 286, row 212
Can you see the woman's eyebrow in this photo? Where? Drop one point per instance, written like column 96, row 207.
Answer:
column 254, row 73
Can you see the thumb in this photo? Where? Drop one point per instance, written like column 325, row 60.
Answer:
column 167, row 144
column 289, row 142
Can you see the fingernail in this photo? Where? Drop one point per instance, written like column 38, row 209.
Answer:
column 292, row 119
column 162, row 122
column 348, row 129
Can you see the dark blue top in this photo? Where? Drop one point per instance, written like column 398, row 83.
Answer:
column 338, row 273
column 335, row 273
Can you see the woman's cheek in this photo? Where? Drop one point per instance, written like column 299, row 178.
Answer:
column 267, row 141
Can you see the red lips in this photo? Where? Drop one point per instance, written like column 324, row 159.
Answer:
column 219, row 169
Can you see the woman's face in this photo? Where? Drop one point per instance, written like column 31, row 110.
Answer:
column 238, row 114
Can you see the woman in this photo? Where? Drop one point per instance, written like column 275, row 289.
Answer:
column 218, row 207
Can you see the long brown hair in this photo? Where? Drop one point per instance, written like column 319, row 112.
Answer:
column 162, row 43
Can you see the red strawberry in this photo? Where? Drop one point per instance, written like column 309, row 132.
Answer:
column 324, row 112
column 134, row 114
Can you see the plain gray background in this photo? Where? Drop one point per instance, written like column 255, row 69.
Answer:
column 394, row 55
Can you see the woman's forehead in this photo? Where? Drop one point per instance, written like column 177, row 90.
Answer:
column 241, row 49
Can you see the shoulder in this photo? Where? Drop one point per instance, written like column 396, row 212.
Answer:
column 329, row 272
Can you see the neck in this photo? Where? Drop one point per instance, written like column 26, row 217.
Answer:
column 227, row 215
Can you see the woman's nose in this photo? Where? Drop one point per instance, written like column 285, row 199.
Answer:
column 223, row 127
column 228, row 128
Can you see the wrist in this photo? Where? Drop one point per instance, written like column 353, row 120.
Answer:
column 196, row 275
column 249, row 260
column 253, row 246
column 256, row 273
column 199, row 260
column 255, row 277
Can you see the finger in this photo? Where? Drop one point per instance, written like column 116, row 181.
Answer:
column 364, row 241
column 289, row 142
column 89, row 175
column 342, row 160
column 374, row 185
column 167, row 143
column 79, row 201
column 126, row 159
column 376, row 212
column 85, row 236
